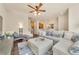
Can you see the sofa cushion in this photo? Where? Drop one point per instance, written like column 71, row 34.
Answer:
column 49, row 33
column 58, row 33
column 68, row 35
column 75, row 37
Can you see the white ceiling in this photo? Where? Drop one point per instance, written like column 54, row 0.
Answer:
column 52, row 9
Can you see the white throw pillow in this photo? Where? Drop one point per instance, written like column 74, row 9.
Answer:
column 68, row 35
column 42, row 32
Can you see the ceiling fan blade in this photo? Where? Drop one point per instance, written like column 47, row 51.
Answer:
column 36, row 8
column 31, row 11
column 40, row 5
column 42, row 10
column 31, row 7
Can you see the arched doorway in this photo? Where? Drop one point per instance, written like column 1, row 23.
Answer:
column 1, row 22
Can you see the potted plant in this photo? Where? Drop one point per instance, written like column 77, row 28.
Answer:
column 7, row 35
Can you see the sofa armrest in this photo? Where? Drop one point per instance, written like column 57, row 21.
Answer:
column 6, row 46
column 62, row 47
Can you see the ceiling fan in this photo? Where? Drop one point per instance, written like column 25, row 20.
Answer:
column 36, row 9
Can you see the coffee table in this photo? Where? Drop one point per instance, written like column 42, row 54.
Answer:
column 40, row 47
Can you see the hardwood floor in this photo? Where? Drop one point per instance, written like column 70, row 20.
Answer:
column 15, row 47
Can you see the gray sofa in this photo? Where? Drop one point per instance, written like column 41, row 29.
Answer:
column 56, row 36
column 17, row 36
column 63, row 40
column 62, row 47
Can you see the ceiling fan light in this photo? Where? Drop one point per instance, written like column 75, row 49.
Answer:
column 35, row 12
column 39, row 13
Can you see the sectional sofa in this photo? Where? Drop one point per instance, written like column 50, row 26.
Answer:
column 64, row 41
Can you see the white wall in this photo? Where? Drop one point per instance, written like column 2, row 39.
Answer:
column 63, row 21
column 4, row 15
column 47, row 22
column 74, row 18
column 52, row 21
column 14, row 18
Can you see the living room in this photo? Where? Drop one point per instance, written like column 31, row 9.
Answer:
column 39, row 28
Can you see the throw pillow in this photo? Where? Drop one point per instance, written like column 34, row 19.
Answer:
column 74, row 49
column 75, row 37
column 68, row 35
column 1, row 36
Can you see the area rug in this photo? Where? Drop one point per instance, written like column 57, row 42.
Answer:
column 24, row 49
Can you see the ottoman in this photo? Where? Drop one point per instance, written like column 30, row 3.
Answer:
column 40, row 45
